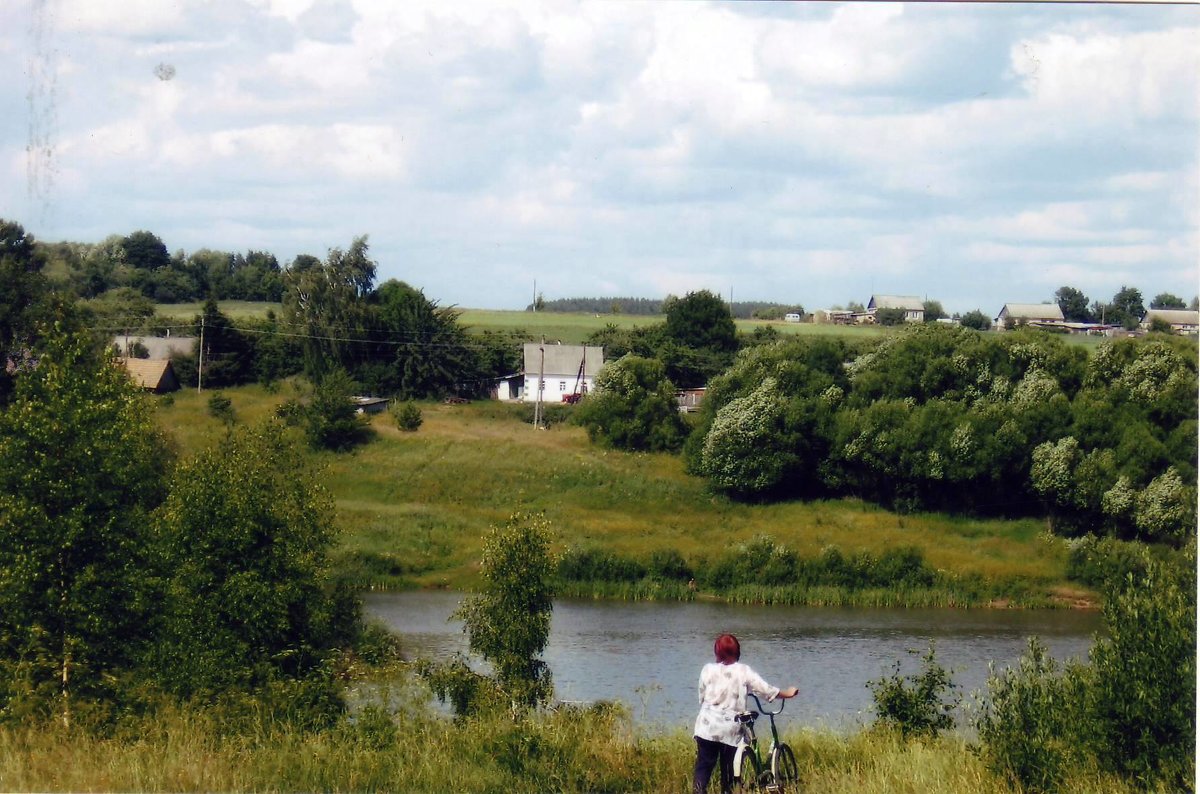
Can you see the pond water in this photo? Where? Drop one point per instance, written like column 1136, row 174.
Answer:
column 648, row 654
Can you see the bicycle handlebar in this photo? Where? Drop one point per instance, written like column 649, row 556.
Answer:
column 761, row 710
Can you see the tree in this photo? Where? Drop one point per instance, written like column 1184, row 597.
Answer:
column 1074, row 305
column 1165, row 300
column 1126, row 308
column 890, row 316
column 228, row 354
column 745, row 451
column 423, row 351
column 244, row 540
column 145, row 251
column 933, row 311
column 81, row 467
column 331, row 419
column 702, row 320
column 328, row 304
column 633, row 407
column 22, row 294
column 975, row 319
column 508, row 623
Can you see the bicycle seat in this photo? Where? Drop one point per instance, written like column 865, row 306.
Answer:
column 746, row 717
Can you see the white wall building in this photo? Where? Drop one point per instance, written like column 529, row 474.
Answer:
column 560, row 370
column 914, row 307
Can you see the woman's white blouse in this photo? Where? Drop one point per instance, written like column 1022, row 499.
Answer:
column 723, row 689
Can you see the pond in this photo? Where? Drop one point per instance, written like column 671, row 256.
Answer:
column 648, row 654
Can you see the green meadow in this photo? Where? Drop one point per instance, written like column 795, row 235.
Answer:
column 412, row 507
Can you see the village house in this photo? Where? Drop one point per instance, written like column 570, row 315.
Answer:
column 689, row 400
column 152, row 374
column 914, row 308
column 1182, row 321
column 1036, row 314
column 562, row 373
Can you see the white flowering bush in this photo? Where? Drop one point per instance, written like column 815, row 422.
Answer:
column 741, row 452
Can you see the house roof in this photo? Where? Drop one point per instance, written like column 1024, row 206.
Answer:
column 909, row 303
column 1173, row 316
column 148, row 373
column 1032, row 311
column 563, row 359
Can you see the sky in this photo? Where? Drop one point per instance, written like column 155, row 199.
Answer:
column 803, row 153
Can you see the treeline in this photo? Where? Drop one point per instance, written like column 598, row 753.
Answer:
column 140, row 262
column 742, row 310
column 936, row 418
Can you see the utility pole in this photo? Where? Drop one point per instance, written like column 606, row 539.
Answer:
column 200, row 360
column 537, row 405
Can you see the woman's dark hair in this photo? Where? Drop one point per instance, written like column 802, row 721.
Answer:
column 727, row 648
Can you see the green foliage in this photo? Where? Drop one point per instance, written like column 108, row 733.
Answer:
column 633, row 407
column 81, row 467
column 976, row 319
column 745, row 450
column 1166, row 300
column 1074, row 305
column 1143, row 692
column 915, row 705
column 331, row 420
column 1032, row 723
column 890, row 317
column 508, row 623
column 243, row 541
column 700, row 338
column 221, row 407
column 407, row 415
column 24, row 291
column 1129, row 711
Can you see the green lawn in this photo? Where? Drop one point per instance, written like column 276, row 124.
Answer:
column 413, row 506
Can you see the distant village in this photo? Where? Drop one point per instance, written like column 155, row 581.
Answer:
column 562, row 373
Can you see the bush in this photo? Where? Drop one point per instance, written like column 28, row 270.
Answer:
column 917, row 705
column 593, row 565
column 1032, row 722
column 407, row 415
column 633, row 407
column 331, row 419
column 221, row 407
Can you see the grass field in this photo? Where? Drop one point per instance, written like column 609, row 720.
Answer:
column 413, row 506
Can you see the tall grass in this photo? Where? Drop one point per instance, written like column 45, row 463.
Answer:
column 592, row 749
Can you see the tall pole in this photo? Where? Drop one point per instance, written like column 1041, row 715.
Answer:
column 200, row 360
column 537, row 405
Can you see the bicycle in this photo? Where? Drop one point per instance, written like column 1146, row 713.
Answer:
column 779, row 774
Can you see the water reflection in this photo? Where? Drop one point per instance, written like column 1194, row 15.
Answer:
column 648, row 655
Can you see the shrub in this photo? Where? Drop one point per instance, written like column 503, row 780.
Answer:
column 916, row 705
column 221, row 407
column 407, row 415
column 594, row 565
column 331, row 420
column 633, row 407
column 1031, row 723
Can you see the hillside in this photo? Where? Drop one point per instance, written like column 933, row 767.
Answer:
column 413, row 506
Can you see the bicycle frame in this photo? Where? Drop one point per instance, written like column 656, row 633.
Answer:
column 767, row 774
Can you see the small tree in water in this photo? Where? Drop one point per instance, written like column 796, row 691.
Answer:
column 508, row 623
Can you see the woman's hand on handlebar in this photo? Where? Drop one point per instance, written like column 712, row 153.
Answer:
column 790, row 692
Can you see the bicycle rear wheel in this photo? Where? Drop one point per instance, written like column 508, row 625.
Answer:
column 748, row 773
column 784, row 769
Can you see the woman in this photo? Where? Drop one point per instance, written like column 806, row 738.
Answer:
column 723, row 688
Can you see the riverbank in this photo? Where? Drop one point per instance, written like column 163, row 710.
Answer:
column 412, row 508
column 409, row 748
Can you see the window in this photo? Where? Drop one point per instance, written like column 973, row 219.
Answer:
column 562, row 385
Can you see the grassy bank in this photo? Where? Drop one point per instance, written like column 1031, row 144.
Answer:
column 573, row 750
column 413, row 506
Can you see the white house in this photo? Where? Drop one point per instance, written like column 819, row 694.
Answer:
column 914, row 308
column 560, row 371
column 1182, row 321
column 1029, row 314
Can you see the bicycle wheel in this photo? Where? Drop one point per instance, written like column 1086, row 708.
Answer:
column 784, row 769
column 748, row 772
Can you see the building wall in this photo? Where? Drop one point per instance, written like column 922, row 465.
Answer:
column 556, row 387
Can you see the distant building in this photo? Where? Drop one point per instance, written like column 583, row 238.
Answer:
column 152, row 374
column 370, row 405
column 560, row 372
column 689, row 400
column 155, row 346
column 914, row 308
column 1029, row 314
column 1182, row 321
